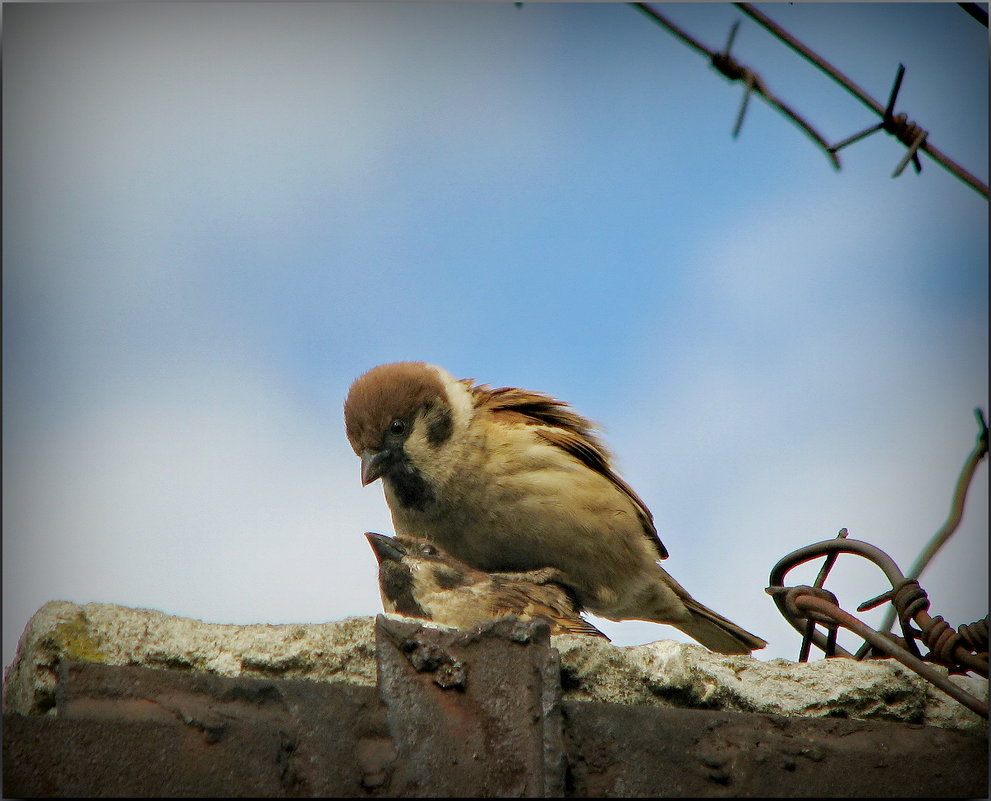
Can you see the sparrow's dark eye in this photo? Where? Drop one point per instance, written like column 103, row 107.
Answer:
column 428, row 550
column 397, row 427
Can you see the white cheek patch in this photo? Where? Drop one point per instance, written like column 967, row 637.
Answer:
column 459, row 397
column 437, row 464
column 417, row 445
column 425, row 593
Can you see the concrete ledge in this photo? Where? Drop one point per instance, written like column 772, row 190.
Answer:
column 663, row 673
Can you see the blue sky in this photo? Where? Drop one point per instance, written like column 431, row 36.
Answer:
column 216, row 216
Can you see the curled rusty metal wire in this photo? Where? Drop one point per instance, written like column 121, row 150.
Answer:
column 805, row 606
column 959, row 499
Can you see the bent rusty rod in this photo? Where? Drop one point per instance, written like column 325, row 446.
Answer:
column 810, row 603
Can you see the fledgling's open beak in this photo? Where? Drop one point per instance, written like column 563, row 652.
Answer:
column 373, row 465
column 385, row 547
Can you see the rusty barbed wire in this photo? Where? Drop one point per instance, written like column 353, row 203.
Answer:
column 961, row 650
column 910, row 134
column 804, row 607
column 974, row 458
column 735, row 71
column 945, row 644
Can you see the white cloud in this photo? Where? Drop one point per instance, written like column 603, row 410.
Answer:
column 211, row 494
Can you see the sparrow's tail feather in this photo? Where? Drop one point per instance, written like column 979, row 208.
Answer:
column 716, row 632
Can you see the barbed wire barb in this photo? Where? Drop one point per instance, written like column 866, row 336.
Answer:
column 899, row 126
column 735, row 71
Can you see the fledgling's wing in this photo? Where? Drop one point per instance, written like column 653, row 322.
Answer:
column 577, row 625
column 560, row 425
column 551, row 601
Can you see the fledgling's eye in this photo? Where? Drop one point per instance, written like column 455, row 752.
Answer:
column 397, row 427
column 428, row 550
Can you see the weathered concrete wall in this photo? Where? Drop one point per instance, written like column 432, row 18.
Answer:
column 447, row 713
column 663, row 673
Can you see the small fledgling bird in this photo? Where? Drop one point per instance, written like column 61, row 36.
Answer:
column 418, row 579
column 508, row 480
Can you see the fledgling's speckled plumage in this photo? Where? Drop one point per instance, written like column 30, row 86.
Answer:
column 419, row 579
column 508, row 480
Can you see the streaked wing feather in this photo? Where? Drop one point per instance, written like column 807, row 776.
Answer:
column 564, row 428
column 519, row 599
column 579, row 447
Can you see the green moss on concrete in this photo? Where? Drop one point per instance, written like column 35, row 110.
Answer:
column 73, row 638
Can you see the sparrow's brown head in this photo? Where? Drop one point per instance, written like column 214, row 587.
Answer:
column 398, row 418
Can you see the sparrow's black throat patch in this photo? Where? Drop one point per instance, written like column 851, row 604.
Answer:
column 397, row 585
column 411, row 489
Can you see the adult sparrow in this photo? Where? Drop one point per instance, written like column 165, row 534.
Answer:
column 508, row 480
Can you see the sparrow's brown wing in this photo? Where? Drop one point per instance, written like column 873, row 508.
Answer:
column 540, row 408
column 580, row 448
column 549, row 601
column 577, row 625
column 562, row 426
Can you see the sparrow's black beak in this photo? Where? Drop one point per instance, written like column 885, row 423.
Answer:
column 385, row 547
column 373, row 464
